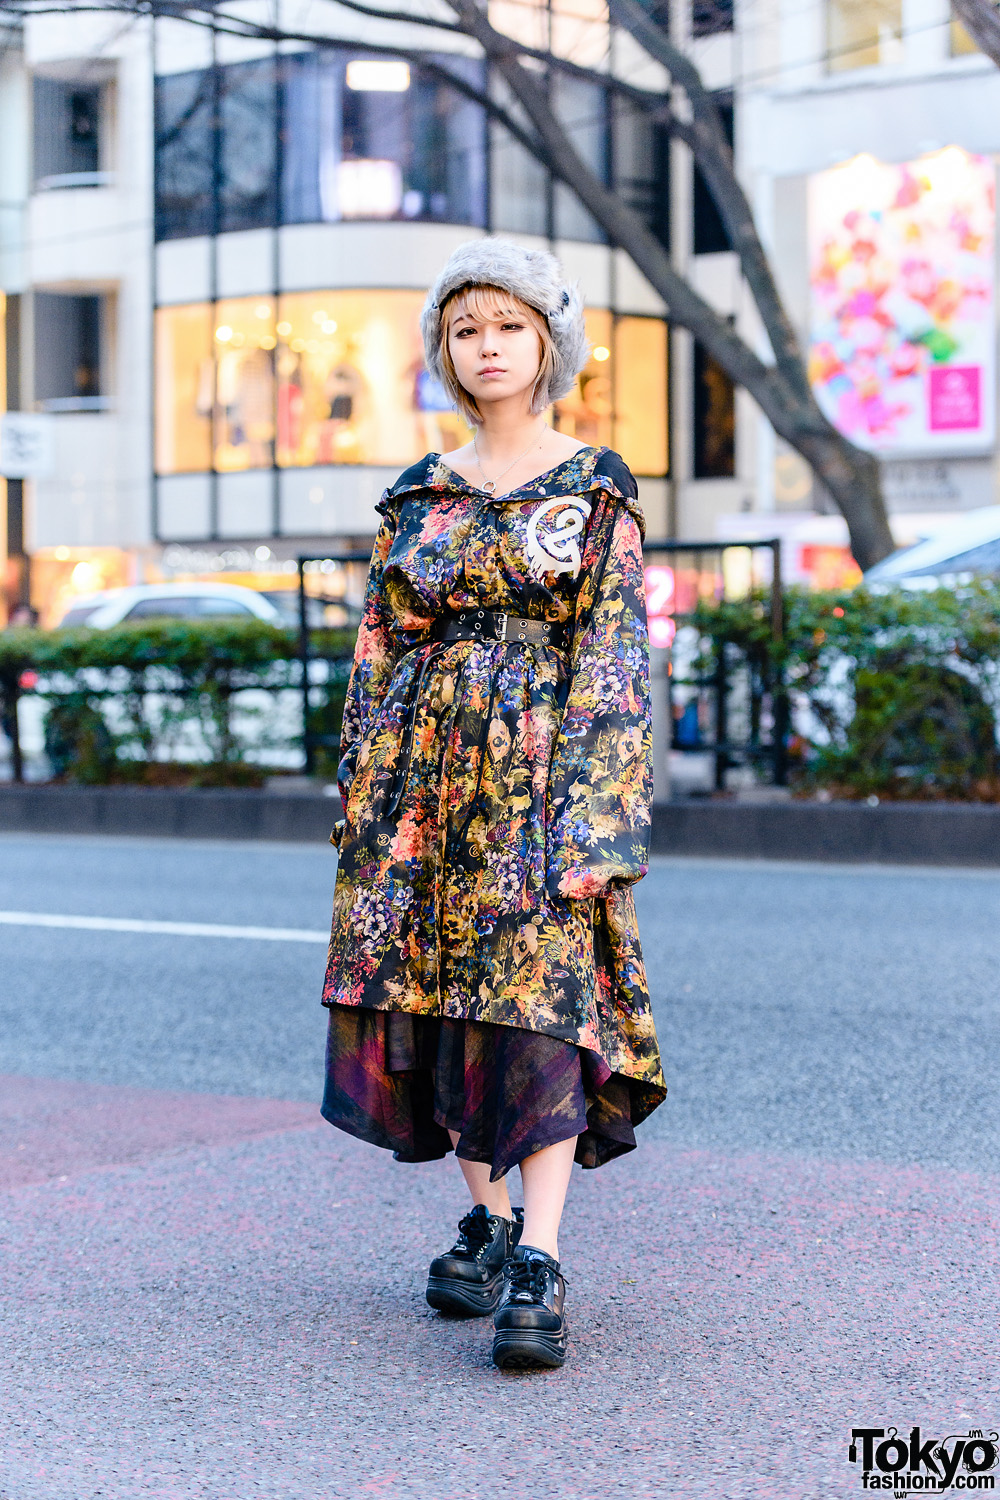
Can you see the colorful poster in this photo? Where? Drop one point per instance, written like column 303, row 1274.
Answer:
column 901, row 269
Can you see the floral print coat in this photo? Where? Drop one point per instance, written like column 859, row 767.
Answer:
column 496, row 794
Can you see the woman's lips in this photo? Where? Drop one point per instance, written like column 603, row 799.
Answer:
column 491, row 370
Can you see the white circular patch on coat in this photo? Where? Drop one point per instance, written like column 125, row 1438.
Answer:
column 556, row 549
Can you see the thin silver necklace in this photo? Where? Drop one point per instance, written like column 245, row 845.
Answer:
column 490, row 485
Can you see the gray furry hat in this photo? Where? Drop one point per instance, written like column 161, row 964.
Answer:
column 533, row 275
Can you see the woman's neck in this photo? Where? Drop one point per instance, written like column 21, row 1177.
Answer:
column 502, row 434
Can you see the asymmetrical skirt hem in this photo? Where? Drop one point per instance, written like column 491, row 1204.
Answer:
column 404, row 1081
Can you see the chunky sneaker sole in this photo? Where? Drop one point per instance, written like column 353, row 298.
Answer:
column 448, row 1295
column 526, row 1349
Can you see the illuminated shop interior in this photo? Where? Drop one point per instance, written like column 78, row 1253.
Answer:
column 337, row 377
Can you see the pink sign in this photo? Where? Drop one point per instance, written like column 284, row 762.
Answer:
column 903, row 333
column 659, row 602
column 954, row 395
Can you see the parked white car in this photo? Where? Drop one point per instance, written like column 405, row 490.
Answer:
column 188, row 601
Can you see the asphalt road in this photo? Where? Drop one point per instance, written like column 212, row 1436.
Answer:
column 208, row 1292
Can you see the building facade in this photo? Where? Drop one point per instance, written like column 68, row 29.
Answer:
column 218, row 269
column 868, row 136
column 213, row 252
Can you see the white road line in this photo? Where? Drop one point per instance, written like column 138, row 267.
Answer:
column 173, row 929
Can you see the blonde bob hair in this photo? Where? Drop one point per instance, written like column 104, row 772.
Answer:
column 481, row 303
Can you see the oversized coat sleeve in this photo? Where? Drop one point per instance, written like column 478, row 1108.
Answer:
column 375, row 655
column 601, row 774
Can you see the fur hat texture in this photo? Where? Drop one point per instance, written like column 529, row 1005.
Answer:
column 533, row 275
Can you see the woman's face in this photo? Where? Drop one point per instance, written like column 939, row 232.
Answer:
column 496, row 358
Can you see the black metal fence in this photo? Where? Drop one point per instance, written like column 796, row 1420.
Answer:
column 321, row 672
column 717, row 703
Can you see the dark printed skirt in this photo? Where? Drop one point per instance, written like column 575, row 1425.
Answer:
column 403, row 1081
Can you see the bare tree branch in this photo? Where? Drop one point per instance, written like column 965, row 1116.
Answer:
column 981, row 19
column 851, row 476
column 714, row 156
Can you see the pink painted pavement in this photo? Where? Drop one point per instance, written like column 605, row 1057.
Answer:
column 223, row 1298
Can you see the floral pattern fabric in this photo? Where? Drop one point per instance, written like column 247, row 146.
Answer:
column 496, row 794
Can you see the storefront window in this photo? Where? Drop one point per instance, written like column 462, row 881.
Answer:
column 587, row 411
column 641, row 395
column 243, row 410
column 620, row 397
column 338, row 377
column 352, row 388
column 184, row 376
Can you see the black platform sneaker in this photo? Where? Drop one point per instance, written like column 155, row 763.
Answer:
column 530, row 1322
column 468, row 1278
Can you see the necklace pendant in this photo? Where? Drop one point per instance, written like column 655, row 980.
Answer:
column 489, row 485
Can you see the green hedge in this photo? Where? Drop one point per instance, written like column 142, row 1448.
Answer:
column 893, row 693
column 119, row 699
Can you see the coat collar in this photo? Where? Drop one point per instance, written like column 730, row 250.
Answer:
column 434, row 477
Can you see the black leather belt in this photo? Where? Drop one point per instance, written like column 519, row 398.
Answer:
column 495, row 625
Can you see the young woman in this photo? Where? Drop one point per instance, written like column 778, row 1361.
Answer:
column 485, row 981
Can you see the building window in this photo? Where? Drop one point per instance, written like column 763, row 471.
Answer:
column 960, row 43
column 714, row 419
column 360, row 138
column 863, row 33
column 708, row 17
column 67, row 133
column 393, row 141
column 586, row 413
column 69, row 341
column 184, row 155
column 337, row 377
column 185, row 389
column 322, row 378
column 709, row 235
column 641, row 160
column 620, row 398
column 352, row 388
column 641, row 394
column 574, row 29
column 520, row 187
column 243, row 410
column 248, row 145
column 582, row 108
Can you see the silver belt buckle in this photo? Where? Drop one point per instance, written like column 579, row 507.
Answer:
column 503, row 635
